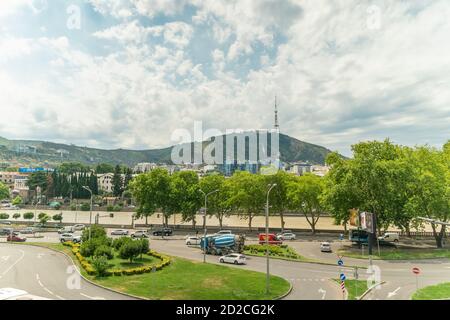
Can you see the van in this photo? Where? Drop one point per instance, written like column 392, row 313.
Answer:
column 390, row 237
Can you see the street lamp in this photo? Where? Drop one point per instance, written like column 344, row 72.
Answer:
column 204, row 221
column 270, row 186
column 90, row 215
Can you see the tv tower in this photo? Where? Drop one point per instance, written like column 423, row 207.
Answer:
column 277, row 125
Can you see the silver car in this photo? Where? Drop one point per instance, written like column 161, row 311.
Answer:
column 139, row 234
column 234, row 258
column 119, row 232
column 66, row 237
column 325, row 247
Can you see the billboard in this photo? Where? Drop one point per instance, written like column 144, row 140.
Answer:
column 32, row 170
column 354, row 217
column 367, row 222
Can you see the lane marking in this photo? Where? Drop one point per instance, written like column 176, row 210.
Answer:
column 5, row 258
column 92, row 298
column 393, row 293
column 46, row 289
column 13, row 265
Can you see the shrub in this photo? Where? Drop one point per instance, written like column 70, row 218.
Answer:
column 96, row 232
column 130, row 250
column 105, row 251
column 16, row 216
column 28, row 215
column 17, row 201
column 73, row 207
column 100, row 265
column 110, row 208
column 41, row 215
column 89, row 247
column 44, row 218
column 57, row 217
column 85, row 207
column 4, row 216
column 119, row 242
column 117, row 208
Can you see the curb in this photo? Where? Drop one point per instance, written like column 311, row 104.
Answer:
column 370, row 289
column 286, row 294
column 87, row 280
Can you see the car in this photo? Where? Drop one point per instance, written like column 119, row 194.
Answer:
column 69, row 229
column 192, row 241
column 225, row 232
column 234, row 258
column 389, row 237
column 119, row 232
column 28, row 230
column 286, row 236
column 79, row 227
column 164, row 231
column 272, row 238
column 325, row 247
column 139, row 234
column 69, row 237
column 5, row 231
column 5, row 222
column 15, row 238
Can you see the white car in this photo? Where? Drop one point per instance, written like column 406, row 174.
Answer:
column 287, row 236
column 66, row 237
column 192, row 241
column 234, row 258
column 325, row 247
column 225, row 232
column 119, row 232
column 389, row 237
column 79, row 227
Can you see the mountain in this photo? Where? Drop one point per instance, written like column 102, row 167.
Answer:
column 42, row 153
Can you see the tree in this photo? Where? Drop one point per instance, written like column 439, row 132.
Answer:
column 304, row 194
column 4, row 216
column 128, row 178
column 104, row 168
column 38, row 179
column 117, row 182
column 218, row 204
column 130, row 250
column 278, row 196
column 44, row 219
column 97, row 232
column 144, row 245
column 248, row 192
column 58, row 217
column 100, row 264
column 16, row 216
column 4, row 191
column 17, row 201
column 185, row 196
column 28, row 215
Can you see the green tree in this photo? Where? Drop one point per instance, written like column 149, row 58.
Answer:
column 58, row 217
column 304, row 195
column 218, row 204
column 278, row 196
column 4, row 216
column 100, row 264
column 38, row 179
column 130, row 250
column 16, row 216
column 248, row 192
column 97, row 232
column 4, row 191
column 17, row 201
column 28, row 215
column 117, row 182
column 184, row 195
column 44, row 219
column 104, row 168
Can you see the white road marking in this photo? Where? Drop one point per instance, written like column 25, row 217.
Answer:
column 46, row 289
column 393, row 293
column 92, row 298
column 12, row 266
column 323, row 292
column 5, row 258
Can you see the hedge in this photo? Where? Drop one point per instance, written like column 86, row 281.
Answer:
column 279, row 251
column 165, row 261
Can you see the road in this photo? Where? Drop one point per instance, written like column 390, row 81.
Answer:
column 48, row 274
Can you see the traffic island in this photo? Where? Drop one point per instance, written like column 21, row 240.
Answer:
column 436, row 292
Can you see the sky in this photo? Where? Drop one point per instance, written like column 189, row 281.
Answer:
column 129, row 73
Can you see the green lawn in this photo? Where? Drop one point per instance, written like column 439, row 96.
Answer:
column 399, row 254
column 188, row 280
column 440, row 291
column 117, row 263
column 355, row 288
column 275, row 252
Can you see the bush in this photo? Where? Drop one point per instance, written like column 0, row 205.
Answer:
column 96, row 232
column 4, row 216
column 57, row 217
column 85, row 207
column 73, row 207
column 17, row 201
column 117, row 208
column 104, row 250
column 100, row 265
column 130, row 250
column 28, row 215
column 16, row 216
column 89, row 247
column 41, row 215
column 119, row 242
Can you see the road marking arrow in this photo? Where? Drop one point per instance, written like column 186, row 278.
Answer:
column 5, row 258
column 323, row 292
column 393, row 293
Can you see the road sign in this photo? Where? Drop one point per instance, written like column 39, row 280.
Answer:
column 342, row 276
column 416, row 270
column 340, row 262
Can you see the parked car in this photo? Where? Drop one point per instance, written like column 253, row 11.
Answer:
column 286, row 236
column 5, row 222
column 66, row 237
column 139, row 234
column 389, row 237
column 234, row 258
column 28, row 230
column 119, row 232
column 225, row 232
column 5, row 231
column 79, row 227
column 69, row 229
column 15, row 238
column 325, row 247
column 164, row 231
column 192, row 241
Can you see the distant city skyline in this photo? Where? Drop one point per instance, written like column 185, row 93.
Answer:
column 128, row 73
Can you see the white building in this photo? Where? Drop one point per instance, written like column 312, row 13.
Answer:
column 300, row 168
column 104, row 182
column 145, row 167
column 320, row 170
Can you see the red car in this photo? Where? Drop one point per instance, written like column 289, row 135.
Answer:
column 273, row 239
column 16, row 238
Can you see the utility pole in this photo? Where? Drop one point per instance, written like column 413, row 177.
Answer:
column 271, row 186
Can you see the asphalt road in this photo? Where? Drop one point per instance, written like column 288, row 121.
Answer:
column 48, row 274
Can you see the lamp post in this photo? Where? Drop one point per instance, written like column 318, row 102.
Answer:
column 270, row 186
column 204, row 221
column 90, row 215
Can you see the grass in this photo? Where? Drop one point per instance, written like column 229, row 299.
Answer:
column 440, row 291
column 355, row 288
column 118, row 263
column 189, row 280
column 400, row 254
column 275, row 252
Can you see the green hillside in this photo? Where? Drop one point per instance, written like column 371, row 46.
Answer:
column 26, row 152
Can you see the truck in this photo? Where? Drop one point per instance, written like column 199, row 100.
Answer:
column 273, row 239
column 358, row 236
column 222, row 244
